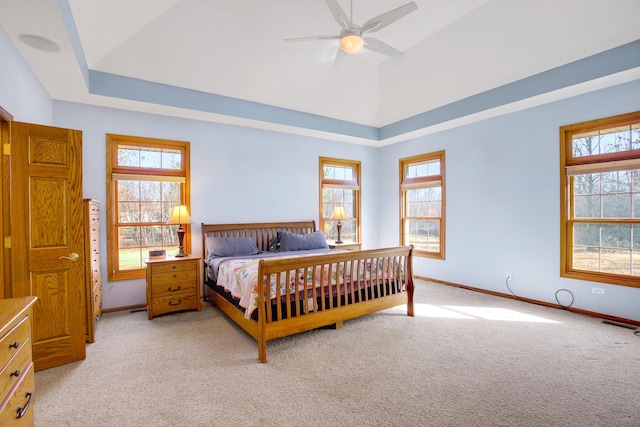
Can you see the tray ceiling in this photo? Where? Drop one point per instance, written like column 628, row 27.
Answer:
column 227, row 60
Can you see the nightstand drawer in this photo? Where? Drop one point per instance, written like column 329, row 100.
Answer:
column 173, row 288
column 168, row 304
column 173, row 276
column 166, row 267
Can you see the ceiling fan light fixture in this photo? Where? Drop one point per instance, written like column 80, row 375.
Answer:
column 351, row 43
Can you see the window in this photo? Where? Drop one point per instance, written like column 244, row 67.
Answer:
column 600, row 200
column 146, row 178
column 422, row 204
column 340, row 186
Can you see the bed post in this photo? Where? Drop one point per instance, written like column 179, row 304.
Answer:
column 262, row 317
column 409, row 283
column 204, row 264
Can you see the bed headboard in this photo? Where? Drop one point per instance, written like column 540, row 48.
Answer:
column 262, row 232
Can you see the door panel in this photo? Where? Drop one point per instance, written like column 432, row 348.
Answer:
column 47, row 232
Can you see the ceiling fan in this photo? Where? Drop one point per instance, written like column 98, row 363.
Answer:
column 351, row 35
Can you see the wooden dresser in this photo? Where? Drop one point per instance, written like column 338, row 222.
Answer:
column 17, row 383
column 173, row 284
column 92, row 266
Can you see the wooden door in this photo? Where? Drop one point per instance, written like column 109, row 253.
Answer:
column 47, row 238
column 5, row 260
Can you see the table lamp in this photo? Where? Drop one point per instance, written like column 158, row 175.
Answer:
column 180, row 215
column 339, row 214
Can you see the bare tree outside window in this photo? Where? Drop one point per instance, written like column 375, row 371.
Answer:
column 147, row 178
column 422, row 204
column 340, row 186
column 601, row 182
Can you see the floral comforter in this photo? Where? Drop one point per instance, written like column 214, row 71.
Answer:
column 240, row 278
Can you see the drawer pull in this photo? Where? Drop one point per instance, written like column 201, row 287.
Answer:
column 14, row 345
column 15, row 373
column 22, row 411
column 173, row 302
column 172, row 289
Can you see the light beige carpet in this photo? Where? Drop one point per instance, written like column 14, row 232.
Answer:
column 466, row 359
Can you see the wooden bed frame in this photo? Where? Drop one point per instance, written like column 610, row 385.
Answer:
column 359, row 298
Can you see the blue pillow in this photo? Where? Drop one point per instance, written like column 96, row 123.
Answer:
column 299, row 242
column 230, row 246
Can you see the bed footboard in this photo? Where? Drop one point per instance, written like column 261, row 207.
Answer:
column 317, row 291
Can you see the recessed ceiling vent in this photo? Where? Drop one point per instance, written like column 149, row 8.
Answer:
column 39, row 43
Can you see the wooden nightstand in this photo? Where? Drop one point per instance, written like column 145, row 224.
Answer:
column 173, row 284
column 347, row 246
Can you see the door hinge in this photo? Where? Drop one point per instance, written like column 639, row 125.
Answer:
column 6, row 149
column 7, row 242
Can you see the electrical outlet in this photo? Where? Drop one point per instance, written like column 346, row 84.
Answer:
column 599, row 291
column 508, row 276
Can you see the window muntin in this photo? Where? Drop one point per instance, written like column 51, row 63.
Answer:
column 422, row 169
column 422, row 204
column 616, row 139
column 140, row 204
column 600, row 233
column 340, row 186
column 146, row 178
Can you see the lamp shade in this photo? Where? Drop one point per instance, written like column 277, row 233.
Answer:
column 339, row 213
column 180, row 215
column 351, row 43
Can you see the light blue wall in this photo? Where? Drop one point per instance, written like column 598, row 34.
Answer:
column 502, row 175
column 502, row 202
column 21, row 93
column 237, row 174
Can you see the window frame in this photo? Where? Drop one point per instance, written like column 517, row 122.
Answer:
column 414, row 183
column 356, row 186
column 591, row 163
column 114, row 141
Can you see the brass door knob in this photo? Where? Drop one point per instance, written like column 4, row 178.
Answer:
column 72, row 257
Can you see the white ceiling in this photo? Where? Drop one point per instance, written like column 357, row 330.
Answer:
column 453, row 49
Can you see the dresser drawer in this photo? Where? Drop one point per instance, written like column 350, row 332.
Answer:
column 166, row 267
column 96, row 305
column 173, row 288
column 18, row 410
column 96, row 280
column 174, row 276
column 14, row 369
column 174, row 303
column 14, row 340
column 94, row 258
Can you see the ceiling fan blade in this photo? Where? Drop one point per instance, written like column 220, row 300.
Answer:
column 381, row 21
column 381, row 47
column 301, row 39
column 341, row 18
column 340, row 55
